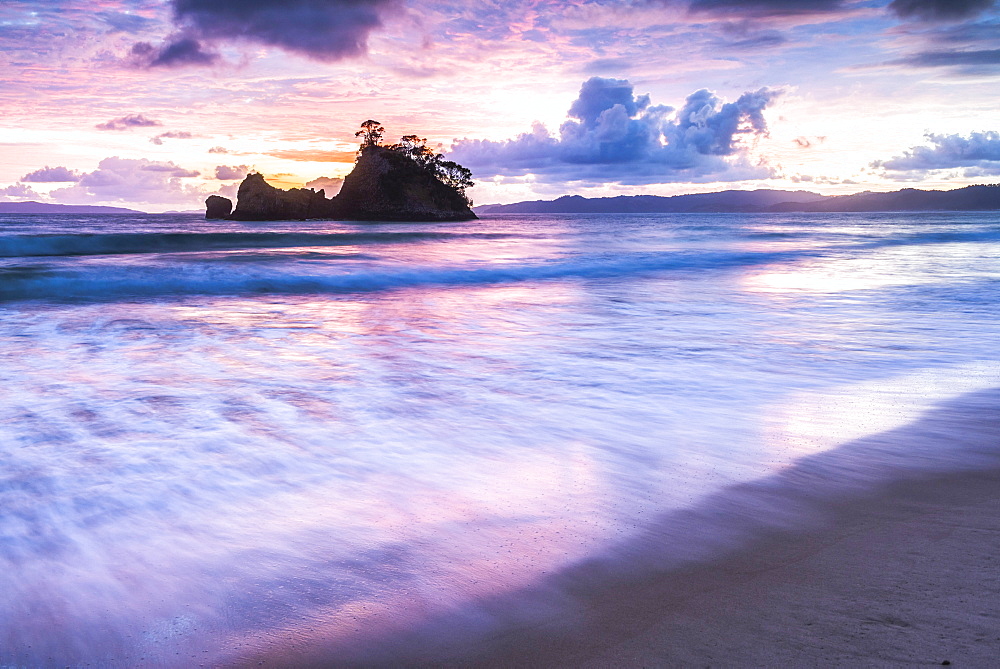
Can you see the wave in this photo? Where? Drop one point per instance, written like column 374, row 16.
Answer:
column 97, row 244
column 106, row 281
column 24, row 246
column 110, row 282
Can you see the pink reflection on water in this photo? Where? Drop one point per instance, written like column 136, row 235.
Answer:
column 480, row 537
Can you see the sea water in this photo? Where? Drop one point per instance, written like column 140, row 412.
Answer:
column 220, row 440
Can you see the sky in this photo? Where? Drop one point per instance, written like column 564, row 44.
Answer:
column 155, row 104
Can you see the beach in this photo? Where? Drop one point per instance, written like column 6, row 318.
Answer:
column 899, row 574
column 908, row 577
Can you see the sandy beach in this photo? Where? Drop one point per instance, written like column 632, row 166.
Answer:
column 906, row 574
column 907, row 578
column 819, row 565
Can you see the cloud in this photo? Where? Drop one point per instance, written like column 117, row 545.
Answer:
column 316, row 155
column 983, row 32
column 967, row 48
column 218, row 149
column 225, row 172
column 978, row 154
column 18, row 190
column 158, row 139
column 132, row 180
column 953, row 58
column 762, row 40
column 179, row 52
column 766, row 7
column 939, row 10
column 51, row 175
column 122, row 22
column 807, row 142
column 616, row 136
column 921, row 10
column 127, row 122
column 325, row 30
column 331, row 185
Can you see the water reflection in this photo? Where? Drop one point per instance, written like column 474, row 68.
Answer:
column 203, row 468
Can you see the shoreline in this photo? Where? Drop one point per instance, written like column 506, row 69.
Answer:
column 895, row 566
column 908, row 576
column 873, row 553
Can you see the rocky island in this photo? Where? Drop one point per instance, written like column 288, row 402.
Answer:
column 400, row 182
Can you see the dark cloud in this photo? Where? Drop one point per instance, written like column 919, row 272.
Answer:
column 953, row 58
column 747, row 34
column 225, row 172
column 179, row 52
column 982, row 33
column 126, row 122
column 923, row 10
column 608, row 65
column 766, row 7
column 939, row 10
column 51, row 175
column 978, row 154
column 158, row 139
column 616, row 136
column 325, row 30
column 762, row 40
column 967, row 48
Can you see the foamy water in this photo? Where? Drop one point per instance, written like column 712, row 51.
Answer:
column 224, row 439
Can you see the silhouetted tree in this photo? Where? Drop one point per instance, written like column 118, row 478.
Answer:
column 452, row 174
column 415, row 148
column 371, row 134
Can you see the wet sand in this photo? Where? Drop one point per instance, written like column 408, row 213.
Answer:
column 907, row 578
column 867, row 555
column 907, row 575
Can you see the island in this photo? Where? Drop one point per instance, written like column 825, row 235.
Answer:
column 405, row 181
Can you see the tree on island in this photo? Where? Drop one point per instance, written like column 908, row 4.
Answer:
column 415, row 148
column 371, row 134
column 452, row 174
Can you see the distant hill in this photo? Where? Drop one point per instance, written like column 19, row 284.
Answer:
column 726, row 201
column 970, row 198
column 45, row 208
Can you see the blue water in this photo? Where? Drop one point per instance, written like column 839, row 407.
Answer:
column 221, row 441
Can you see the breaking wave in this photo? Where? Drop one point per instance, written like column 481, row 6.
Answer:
column 103, row 282
column 21, row 246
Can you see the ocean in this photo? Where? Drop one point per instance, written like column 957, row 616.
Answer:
column 224, row 443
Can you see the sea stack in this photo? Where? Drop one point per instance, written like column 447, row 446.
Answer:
column 257, row 200
column 388, row 186
column 384, row 185
column 218, row 207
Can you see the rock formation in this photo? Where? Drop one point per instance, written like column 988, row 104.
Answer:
column 217, row 207
column 388, row 186
column 384, row 186
column 257, row 200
